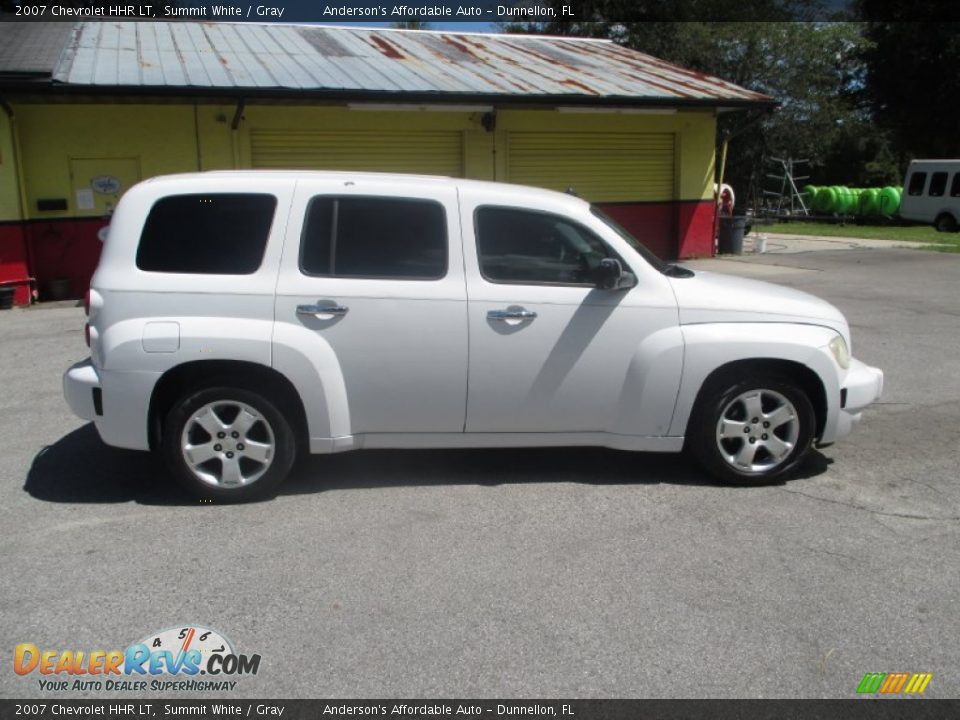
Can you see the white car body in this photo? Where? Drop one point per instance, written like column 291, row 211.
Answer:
column 419, row 364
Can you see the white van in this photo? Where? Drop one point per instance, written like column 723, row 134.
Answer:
column 931, row 194
column 239, row 318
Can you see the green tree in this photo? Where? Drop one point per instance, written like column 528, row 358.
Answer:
column 913, row 83
column 814, row 70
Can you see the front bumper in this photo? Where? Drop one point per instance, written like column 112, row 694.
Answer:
column 862, row 386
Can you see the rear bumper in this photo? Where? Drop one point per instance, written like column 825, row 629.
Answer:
column 862, row 386
column 79, row 384
column 118, row 403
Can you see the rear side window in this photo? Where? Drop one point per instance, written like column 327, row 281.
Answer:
column 955, row 185
column 216, row 234
column 374, row 237
column 938, row 183
column 917, row 181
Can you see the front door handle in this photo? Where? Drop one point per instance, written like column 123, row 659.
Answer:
column 511, row 315
column 322, row 310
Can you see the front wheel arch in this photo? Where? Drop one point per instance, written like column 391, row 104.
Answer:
column 806, row 379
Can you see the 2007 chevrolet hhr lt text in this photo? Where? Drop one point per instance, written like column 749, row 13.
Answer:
column 238, row 318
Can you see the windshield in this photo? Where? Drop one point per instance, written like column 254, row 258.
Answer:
column 644, row 251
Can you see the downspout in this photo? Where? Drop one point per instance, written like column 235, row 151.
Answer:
column 21, row 183
column 17, row 165
column 234, row 127
column 727, row 137
column 196, row 137
column 723, row 157
column 716, row 194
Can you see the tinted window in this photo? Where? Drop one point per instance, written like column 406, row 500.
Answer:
column 522, row 246
column 955, row 185
column 215, row 234
column 917, row 181
column 938, row 183
column 374, row 238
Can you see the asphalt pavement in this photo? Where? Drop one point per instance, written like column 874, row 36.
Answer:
column 531, row 573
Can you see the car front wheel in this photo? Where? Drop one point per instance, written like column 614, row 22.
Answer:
column 227, row 444
column 753, row 432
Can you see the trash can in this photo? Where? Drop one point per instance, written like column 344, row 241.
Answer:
column 6, row 297
column 730, row 239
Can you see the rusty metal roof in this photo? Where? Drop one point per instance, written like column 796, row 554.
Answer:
column 358, row 62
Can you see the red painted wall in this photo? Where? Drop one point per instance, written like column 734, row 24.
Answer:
column 695, row 229
column 64, row 249
column 13, row 262
column 672, row 230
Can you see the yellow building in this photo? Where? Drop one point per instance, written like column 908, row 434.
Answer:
column 92, row 108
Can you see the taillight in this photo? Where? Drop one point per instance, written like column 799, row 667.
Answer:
column 86, row 333
column 86, row 304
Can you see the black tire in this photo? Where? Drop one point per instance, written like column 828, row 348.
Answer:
column 270, row 433
column 945, row 223
column 716, row 454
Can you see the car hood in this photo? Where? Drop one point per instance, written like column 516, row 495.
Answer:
column 712, row 297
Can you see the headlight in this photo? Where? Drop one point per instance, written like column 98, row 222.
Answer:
column 838, row 346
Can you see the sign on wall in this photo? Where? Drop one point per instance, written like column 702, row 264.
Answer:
column 99, row 183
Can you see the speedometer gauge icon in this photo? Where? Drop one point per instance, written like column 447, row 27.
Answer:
column 180, row 640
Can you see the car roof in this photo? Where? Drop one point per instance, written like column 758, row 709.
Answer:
column 429, row 180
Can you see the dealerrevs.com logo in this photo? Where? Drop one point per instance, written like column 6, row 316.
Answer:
column 181, row 658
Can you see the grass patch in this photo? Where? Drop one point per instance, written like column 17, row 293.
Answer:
column 947, row 242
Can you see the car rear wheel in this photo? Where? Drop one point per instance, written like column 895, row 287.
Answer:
column 945, row 223
column 753, row 432
column 228, row 444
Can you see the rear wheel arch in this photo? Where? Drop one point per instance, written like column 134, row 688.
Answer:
column 197, row 375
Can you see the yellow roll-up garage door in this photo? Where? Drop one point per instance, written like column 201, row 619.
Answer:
column 427, row 152
column 600, row 167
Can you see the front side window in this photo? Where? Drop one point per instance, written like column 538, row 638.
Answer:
column 529, row 247
column 216, row 234
column 917, row 181
column 955, row 185
column 374, row 237
column 938, row 184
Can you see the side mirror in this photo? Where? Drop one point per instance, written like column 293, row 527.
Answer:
column 611, row 276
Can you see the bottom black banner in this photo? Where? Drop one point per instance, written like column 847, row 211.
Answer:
column 571, row 709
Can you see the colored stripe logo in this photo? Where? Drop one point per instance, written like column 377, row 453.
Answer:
column 894, row 683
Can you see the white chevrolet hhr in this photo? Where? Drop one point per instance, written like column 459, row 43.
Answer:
column 238, row 318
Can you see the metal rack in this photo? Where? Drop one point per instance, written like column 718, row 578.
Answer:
column 789, row 199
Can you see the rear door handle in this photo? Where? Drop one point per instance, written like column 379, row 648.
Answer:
column 511, row 315
column 322, row 309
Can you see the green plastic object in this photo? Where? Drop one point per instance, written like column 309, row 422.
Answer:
column 826, row 198
column 817, row 198
column 809, row 193
column 870, row 202
column 846, row 202
column 855, row 208
column 889, row 201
